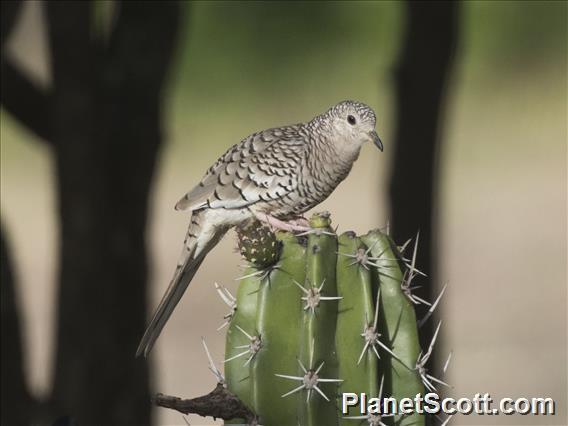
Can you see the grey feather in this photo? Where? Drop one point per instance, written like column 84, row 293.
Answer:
column 191, row 258
column 249, row 171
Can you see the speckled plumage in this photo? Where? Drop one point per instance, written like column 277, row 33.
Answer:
column 277, row 173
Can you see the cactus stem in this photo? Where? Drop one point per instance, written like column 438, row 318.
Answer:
column 373, row 262
column 212, row 367
column 433, row 306
column 383, row 274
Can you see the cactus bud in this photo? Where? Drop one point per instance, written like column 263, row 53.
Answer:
column 258, row 245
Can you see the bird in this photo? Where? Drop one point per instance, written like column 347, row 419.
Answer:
column 274, row 176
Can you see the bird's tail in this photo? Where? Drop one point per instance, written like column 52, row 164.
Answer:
column 201, row 237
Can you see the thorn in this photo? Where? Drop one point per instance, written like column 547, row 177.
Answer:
column 372, row 247
column 432, row 343
column 315, row 231
column 212, row 366
column 415, row 251
column 244, row 332
column 320, row 392
column 312, row 351
column 229, row 300
column 404, row 246
column 432, row 307
column 363, row 352
column 302, row 366
column 428, row 384
column 438, row 380
column 236, row 356
column 447, row 363
column 300, row 286
column 423, row 359
column 249, row 275
column 377, row 309
column 284, row 376
column 385, row 347
column 420, row 300
column 226, row 323
column 310, row 379
column 248, row 360
column 293, row 390
column 225, row 295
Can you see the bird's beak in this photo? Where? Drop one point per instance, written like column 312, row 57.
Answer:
column 376, row 140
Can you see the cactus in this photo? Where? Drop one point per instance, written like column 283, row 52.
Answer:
column 319, row 315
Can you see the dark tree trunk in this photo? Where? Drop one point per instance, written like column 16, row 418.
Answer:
column 22, row 98
column 421, row 78
column 15, row 401
column 106, row 131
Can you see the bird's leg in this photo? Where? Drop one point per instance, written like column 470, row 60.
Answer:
column 281, row 225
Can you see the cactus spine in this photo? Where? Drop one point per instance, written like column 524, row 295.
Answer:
column 307, row 329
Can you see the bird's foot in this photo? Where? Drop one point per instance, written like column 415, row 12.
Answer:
column 300, row 221
column 298, row 225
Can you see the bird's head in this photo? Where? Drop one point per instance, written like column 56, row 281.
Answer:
column 353, row 123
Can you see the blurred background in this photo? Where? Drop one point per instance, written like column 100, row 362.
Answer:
column 112, row 111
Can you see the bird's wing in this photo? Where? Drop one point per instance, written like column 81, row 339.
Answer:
column 262, row 167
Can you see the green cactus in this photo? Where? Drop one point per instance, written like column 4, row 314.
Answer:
column 328, row 316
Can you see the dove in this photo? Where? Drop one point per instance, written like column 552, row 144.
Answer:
column 274, row 176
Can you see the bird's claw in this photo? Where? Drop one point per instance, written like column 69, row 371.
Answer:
column 277, row 224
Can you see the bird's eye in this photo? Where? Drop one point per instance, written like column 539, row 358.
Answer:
column 351, row 120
